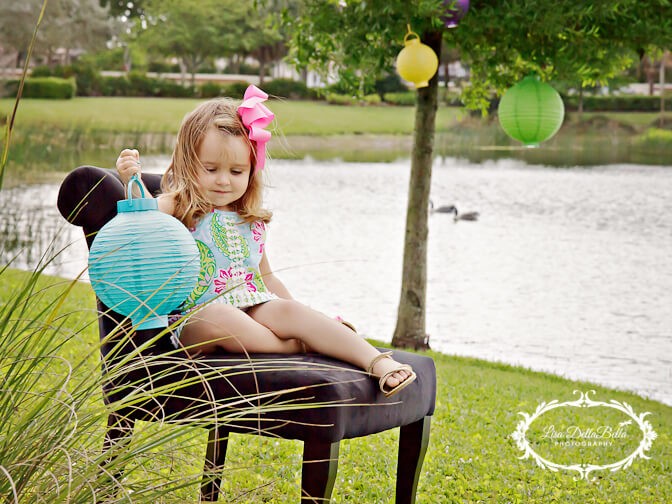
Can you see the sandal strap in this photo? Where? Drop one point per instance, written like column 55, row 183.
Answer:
column 390, row 391
column 383, row 379
column 374, row 361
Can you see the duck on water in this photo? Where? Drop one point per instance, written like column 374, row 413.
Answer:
column 457, row 216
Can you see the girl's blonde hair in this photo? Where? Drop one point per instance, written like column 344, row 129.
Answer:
column 182, row 174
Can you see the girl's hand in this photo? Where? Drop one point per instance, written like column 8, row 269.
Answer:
column 128, row 164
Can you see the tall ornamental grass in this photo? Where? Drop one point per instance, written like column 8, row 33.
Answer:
column 52, row 416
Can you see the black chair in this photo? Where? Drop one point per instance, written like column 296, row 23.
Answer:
column 212, row 390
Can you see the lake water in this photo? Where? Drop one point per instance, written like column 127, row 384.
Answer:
column 567, row 270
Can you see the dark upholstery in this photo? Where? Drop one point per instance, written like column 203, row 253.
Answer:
column 347, row 402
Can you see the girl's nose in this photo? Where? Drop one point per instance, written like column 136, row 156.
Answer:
column 223, row 179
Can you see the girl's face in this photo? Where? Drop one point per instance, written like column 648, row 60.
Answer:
column 226, row 168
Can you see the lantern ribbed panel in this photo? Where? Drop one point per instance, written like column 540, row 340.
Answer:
column 531, row 111
column 144, row 264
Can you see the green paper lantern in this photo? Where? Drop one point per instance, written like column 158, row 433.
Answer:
column 531, row 111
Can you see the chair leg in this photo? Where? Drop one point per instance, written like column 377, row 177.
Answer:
column 318, row 473
column 215, row 456
column 118, row 435
column 413, row 441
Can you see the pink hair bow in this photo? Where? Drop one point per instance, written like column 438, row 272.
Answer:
column 256, row 117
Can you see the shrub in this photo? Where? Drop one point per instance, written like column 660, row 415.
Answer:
column 85, row 74
column 141, row 85
column 406, row 99
column 44, row 87
column 209, row 90
column 288, row 88
column 235, row 89
column 161, row 67
column 245, row 69
column 87, row 78
column 110, row 59
column 655, row 137
column 165, row 88
column 206, row 68
column 9, row 87
column 63, row 71
column 138, row 84
column 115, row 86
column 371, row 99
column 41, row 71
column 346, row 88
column 389, row 84
column 340, row 99
column 617, row 103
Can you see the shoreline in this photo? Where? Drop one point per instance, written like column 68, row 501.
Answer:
column 465, row 359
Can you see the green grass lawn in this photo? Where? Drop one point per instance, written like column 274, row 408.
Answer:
column 471, row 458
column 165, row 115
column 293, row 117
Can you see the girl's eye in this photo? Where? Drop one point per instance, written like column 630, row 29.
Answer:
column 236, row 172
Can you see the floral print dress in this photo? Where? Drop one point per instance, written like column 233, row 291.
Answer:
column 230, row 252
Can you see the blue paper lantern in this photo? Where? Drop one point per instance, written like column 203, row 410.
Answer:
column 143, row 263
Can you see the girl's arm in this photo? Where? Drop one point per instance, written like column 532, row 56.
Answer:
column 128, row 164
column 272, row 282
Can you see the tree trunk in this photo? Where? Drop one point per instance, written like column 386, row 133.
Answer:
column 127, row 59
column 580, row 101
column 262, row 66
column 661, row 119
column 183, row 72
column 410, row 330
column 195, row 63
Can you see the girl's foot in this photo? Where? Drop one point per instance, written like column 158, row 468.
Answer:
column 392, row 375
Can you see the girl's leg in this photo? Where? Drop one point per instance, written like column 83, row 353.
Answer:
column 290, row 319
column 223, row 326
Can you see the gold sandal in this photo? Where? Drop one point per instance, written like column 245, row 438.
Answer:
column 383, row 379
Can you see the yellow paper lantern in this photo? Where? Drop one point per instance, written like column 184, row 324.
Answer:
column 417, row 62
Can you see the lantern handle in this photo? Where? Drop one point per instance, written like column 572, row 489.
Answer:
column 129, row 191
column 409, row 33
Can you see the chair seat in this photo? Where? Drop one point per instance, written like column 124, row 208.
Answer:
column 302, row 397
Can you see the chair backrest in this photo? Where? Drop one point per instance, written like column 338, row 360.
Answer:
column 88, row 198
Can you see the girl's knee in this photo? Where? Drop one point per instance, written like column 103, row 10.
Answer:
column 290, row 308
column 212, row 320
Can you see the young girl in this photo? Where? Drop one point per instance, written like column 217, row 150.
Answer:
column 214, row 186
